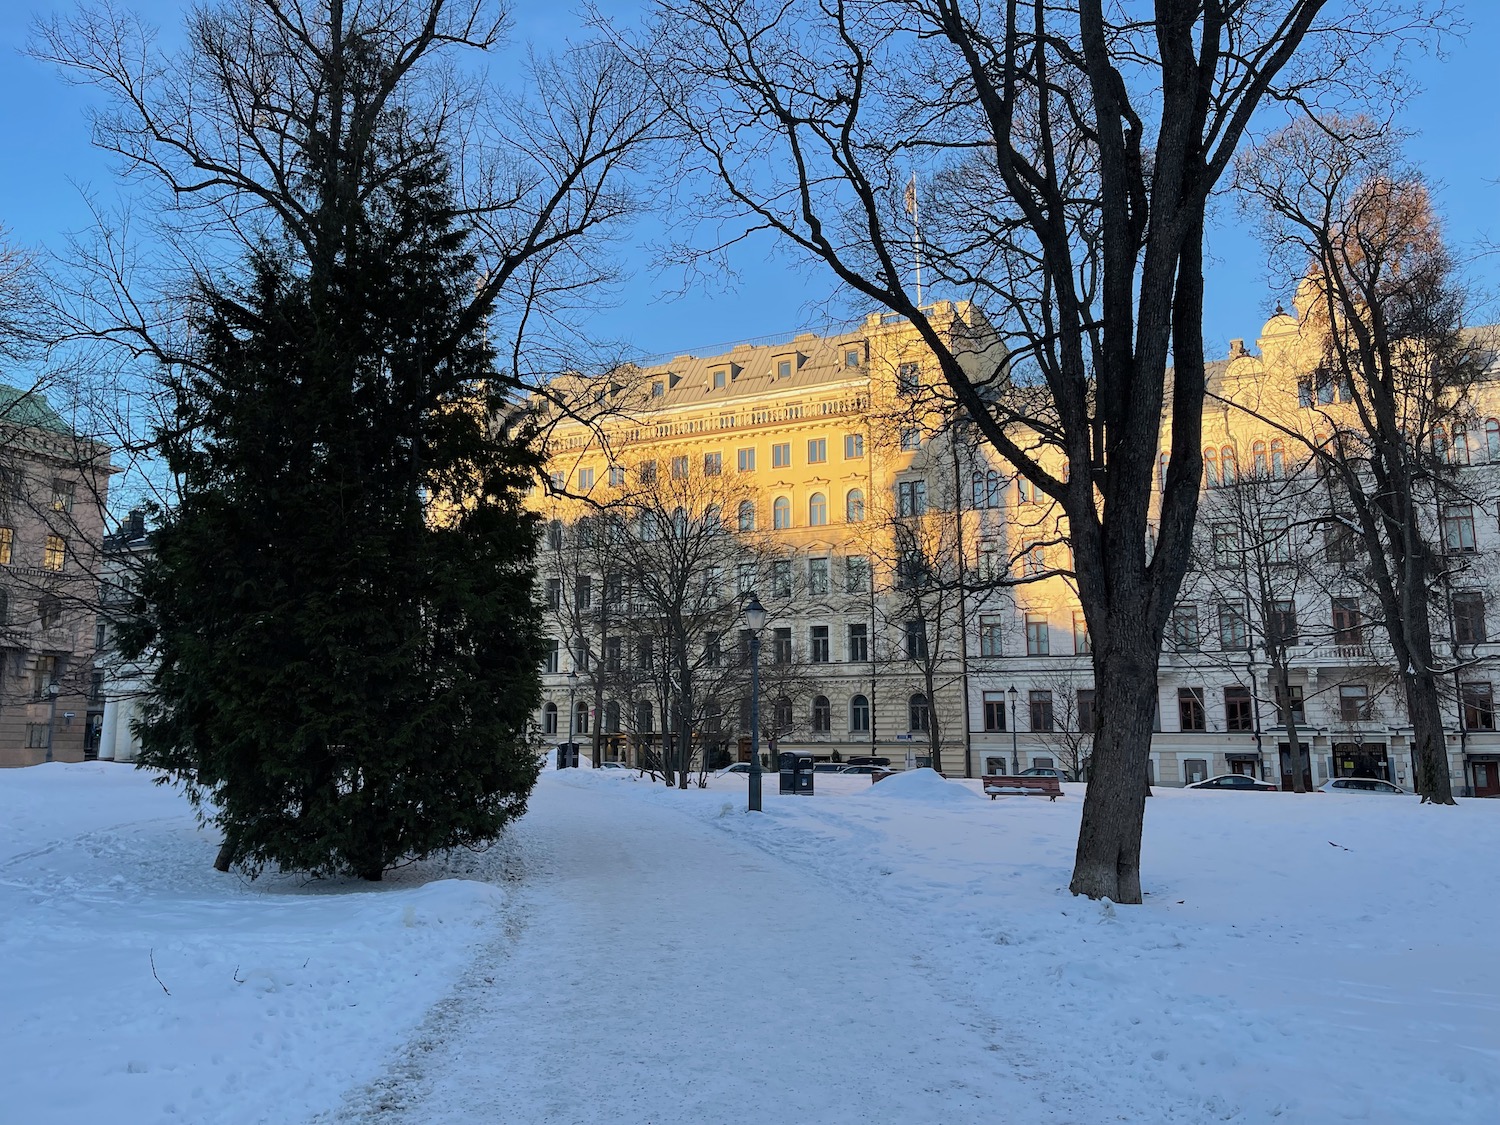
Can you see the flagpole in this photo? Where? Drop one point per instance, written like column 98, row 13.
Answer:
column 916, row 232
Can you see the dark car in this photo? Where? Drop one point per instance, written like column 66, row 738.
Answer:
column 829, row 767
column 868, row 760
column 1235, row 781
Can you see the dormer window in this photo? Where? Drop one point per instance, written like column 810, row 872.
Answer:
column 853, row 357
column 658, row 388
column 783, row 369
column 721, row 380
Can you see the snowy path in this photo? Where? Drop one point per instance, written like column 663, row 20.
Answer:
column 621, row 995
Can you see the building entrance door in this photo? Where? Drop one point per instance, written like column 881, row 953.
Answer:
column 1286, row 765
column 1247, row 767
column 1486, row 778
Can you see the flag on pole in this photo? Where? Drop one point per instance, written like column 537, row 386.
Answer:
column 911, row 196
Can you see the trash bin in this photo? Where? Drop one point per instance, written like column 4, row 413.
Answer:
column 796, row 772
column 567, row 756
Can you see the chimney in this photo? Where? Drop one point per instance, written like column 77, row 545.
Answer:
column 135, row 525
column 1237, row 349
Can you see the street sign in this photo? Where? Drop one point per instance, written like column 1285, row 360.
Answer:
column 904, row 737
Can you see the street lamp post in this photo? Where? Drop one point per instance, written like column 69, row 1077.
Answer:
column 1015, row 758
column 572, row 693
column 755, row 619
column 52, row 689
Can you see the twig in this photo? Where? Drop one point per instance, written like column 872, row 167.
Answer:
column 237, row 975
column 152, row 955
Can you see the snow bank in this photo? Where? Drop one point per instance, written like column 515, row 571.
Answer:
column 139, row 985
column 926, row 786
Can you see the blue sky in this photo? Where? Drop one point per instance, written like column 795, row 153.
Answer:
column 50, row 163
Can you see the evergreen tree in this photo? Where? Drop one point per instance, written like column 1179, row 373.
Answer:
column 341, row 604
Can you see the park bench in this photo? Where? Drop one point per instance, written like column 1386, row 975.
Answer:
column 996, row 785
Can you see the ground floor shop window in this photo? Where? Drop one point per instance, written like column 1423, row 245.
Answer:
column 1194, row 769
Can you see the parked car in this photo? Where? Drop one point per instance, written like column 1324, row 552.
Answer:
column 1234, row 781
column 1360, row 785
column 615, row 766
column 868, row 760
column 1043, row 771
column 864, row 769
column 829, row 767
column 737, row 767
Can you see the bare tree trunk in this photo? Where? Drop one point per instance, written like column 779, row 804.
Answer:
column 1108, row 861
column 1289, row 725
column 1429, row 742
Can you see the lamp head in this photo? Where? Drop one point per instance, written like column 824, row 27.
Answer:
column 1013, row 692
column 755, row 614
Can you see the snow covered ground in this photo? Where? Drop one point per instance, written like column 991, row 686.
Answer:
column 904, row 952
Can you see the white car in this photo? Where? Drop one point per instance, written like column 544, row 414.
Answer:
column 1360, row 785
column 738, row 767
column 615, row 766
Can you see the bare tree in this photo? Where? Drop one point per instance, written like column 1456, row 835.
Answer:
column 1070, row 150
column 1385, row 307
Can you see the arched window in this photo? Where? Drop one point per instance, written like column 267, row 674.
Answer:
column 1492, row 438
column 854, row 506
column 1211, row 468
column 1278, row 457
column 817, row 510
column 581, row 718
column 822, row 715
column 1228, row 468
column 1458, row 453
column 747, row 515
column 918, row 714
column 782, row 714
column 781, row 513
column 859, row 714
column 549, row 718
column 1258, row 458
column 612, row 717
column 1161, row 471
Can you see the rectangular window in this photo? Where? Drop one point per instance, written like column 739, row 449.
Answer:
column 658, row 388
column 646, row 472
column 1239, row 714
column 583, row 596
column 781, row 646
column 1191, row 715
column 854, row 447
column 679, row 468
column 1194, row 770
column 36, row 736
column 989, row 636
column 1088, row 716
column 1233, row 635
column 7, row 541
column 1033, row 559
column 1354, row 702
column 554, row 593
column 616, row 476
column 614, row 654
column 818, row 641
column 991, row 566
column 994, row 711
column 1340, row 544
column 908, row 380
column 1282, row 628
column 747, row 460
column 96, row 687
column 781, row 578
column 62, row 495
column 721, row 380
column 1347, row 628
column 783, row 369
column 1038, row 636
column 916, row 639
column 856, row 574
column 1458, row 528
column 744, row 577
column 1479, row 707
column 645, row 653
column 559, row 479
column 911, row 438
column 853, row 357
column 585, row 479
column 1041, row 710
column 1299, row 712
column 859, row 643
column 1277, row 541
column 817, row 450
column 911, row 497
column 1468, row 618
column 1226, row 545
column 713, row 464
column 1081, row 643
column 1182, row 630
column 553, row 659
column 781, row 455
column 817, row 576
